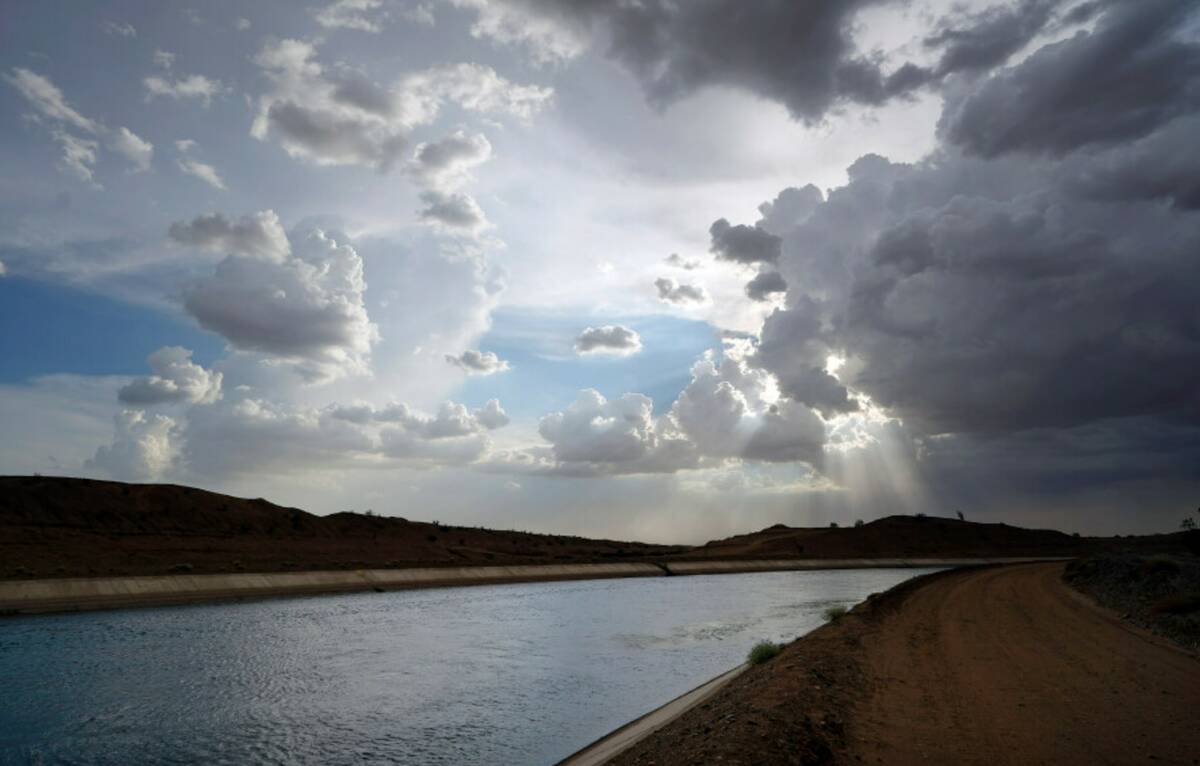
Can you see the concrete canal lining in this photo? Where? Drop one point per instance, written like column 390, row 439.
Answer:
column 75, row 594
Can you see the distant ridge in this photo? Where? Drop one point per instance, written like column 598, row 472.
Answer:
column 68, row 527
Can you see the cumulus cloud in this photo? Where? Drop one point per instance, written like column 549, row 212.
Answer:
column 163, row 59
column 597, row 436
column 340, row 117
column 988, row 38
column 478, row 362
column 137, row 150
column 176, row 380
column 743, row 244
column 142, row 448
column 1040, row 280
column 1133, row 73
column 764, row 285
column 550, row 32
column 194, row 86
column 447, row 162
column 615, row 340
column 730, row 409
column 454, row 212
column 669, row 291
column 259, row 235
column 800, row 54
column 252, row 435
column 302, row 304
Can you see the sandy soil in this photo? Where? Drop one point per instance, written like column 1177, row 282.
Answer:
column 1001, row 665
column 1009, row 666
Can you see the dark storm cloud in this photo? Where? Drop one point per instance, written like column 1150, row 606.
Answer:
column 801, row 54
column 743, row 244
column 1134, row 73
column 1023, row 299
column 986, row 39
column 764, row 285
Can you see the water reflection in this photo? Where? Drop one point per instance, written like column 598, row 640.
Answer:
column 512, row 674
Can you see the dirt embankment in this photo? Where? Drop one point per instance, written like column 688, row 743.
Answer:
column 62, row 527
column 59, row 527
column 1003, row 665
column 1160, row 593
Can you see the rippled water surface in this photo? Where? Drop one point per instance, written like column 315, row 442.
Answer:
column 507, row 674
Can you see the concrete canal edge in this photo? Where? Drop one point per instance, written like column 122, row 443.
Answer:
column 607, row 747
column 76, row 594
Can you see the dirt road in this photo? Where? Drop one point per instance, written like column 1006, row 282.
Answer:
column 1010, row 666
column 1003, row 665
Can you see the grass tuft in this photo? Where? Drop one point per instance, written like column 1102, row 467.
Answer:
column 763, row 651
column 834, row 613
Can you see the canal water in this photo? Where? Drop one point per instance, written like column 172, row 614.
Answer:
column 508, row 674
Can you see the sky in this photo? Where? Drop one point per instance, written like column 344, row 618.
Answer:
column 656, row 270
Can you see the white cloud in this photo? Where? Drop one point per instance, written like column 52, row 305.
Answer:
column 615, row 340
column 143, row 448
column 78, row 154
column 119, row 29
column 305, row 309
column 453, row 212
column 242, row 24
column 137, row 150
column 164, row 59
column 679, row 262
column 446, row 163
column 548, row 37
column 597, row 436
column 259, row 235
column 176, row 380
column 340, row 117
column 669, row 291
column 194, row 86
column 478, row 362
column 361, row 15
column 205, row 172
column 48, row 100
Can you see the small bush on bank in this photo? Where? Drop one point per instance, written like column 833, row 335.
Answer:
column 834, row 612
column 1161, row 566
column 763, row 651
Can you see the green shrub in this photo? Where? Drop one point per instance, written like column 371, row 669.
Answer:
column 763, row 651
column 834, row 612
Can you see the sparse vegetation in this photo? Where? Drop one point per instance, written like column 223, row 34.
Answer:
column 834, row 613
column 1161, row 593
column 763, row 651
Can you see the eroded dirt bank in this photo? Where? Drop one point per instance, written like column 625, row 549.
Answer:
column 1002, row 665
